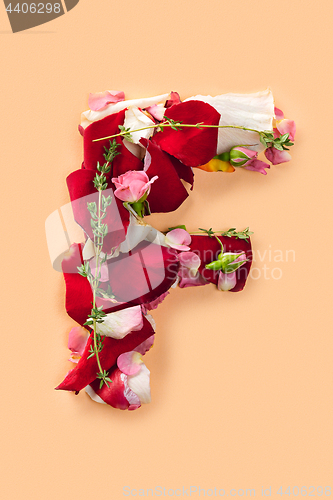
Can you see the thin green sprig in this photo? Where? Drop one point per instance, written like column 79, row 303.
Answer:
column 175, row 125
column 98, row 213
column 241, row 235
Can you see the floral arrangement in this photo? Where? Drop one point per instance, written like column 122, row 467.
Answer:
column 139, row 156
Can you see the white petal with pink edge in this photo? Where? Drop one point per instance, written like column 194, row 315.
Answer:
column 118, row 324
column 226, row 282
column 140, row 384
column 92, row 116
column 255, row 111
column 135, row 119
column 90, row 391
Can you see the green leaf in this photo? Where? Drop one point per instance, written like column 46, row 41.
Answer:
column 216, row 265
column 181, row 226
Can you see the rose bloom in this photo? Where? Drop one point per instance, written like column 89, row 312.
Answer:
column 132, row 185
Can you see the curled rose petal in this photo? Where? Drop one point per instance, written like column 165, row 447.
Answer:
column 174, row 98
column 191, row 145
column 178, row 239
column 99, row 100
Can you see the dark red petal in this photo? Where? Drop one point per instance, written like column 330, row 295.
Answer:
column 81, row 191
column 93, row 151
column 167, row 193
column 192, row 146
column 79, row 295
column 86, row 370
column 125, row 161
column 184, row 172
column 114, row 394
column 208, row 249
column 143, row 274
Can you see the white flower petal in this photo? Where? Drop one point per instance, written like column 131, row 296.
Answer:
column 254, row 111
column 91, row 116
column 90, row 391
column 135, row 234
column 118, row 324
column 88, row 251
column 135, row 119
column 139, row 384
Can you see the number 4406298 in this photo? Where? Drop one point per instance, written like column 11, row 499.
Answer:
column 35, row 8
column 311, row 491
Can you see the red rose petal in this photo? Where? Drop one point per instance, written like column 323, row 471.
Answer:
column 86, row 370
column 81, row 191
column 93, row 151
column 143, row 274
column 192, row 146
column 114, row 394
column 167, row 193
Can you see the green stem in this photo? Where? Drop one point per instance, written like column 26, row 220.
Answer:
column 181, row 125
column 98, row 247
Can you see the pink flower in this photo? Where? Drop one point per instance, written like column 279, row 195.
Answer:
column 275, row 156
column 188, row 270
column 257, row 166
column 132, row 186
column 178, row 239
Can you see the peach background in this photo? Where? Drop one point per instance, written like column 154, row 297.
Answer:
column 241, row 383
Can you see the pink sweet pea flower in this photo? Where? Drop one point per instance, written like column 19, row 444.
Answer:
column 178, row 239
column 188, row 270
column 257, row 166
column 275, row 156
column 100, row 100
column 133, row 185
